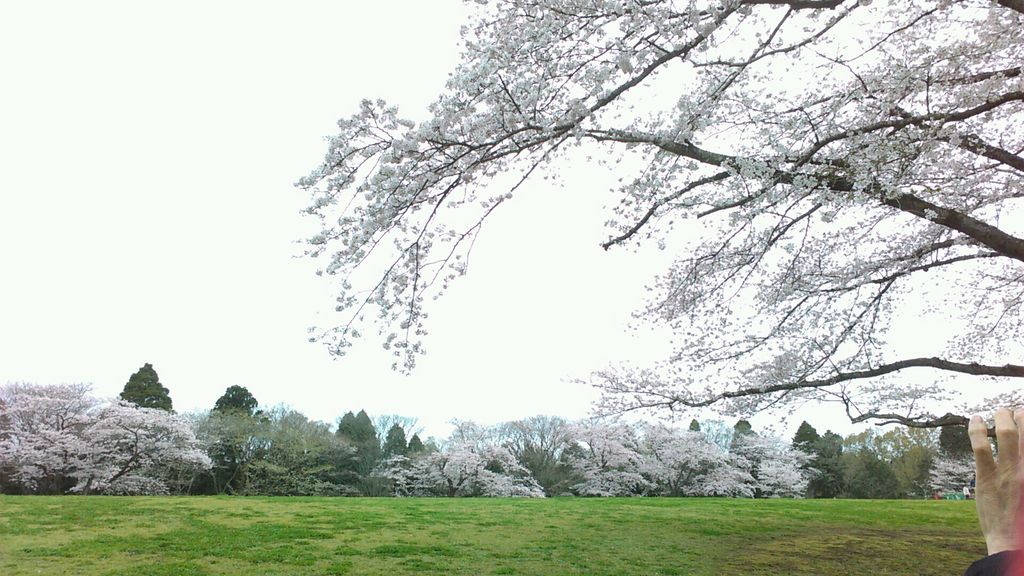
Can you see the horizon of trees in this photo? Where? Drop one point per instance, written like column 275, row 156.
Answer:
column 60, row 439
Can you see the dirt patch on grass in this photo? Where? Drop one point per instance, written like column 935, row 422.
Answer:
column 849, row 551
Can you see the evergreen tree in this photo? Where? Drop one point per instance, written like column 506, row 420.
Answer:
column 364, row 431
column 347, row 426
column 954, row 442
column 348, row 473
column 827, row 481
column 144, row 390
column 394, row 443
column 739, row 430
column 694, row 425
column 868, row 476
column 359, row 432
column 805, row 438
column 415, row 445
column 236, row 399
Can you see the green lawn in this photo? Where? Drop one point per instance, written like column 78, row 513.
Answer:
column 267, row 536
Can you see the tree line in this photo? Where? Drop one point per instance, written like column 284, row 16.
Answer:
column 60, row 439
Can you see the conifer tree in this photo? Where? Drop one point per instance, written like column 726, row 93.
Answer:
column 364, row 432
column 236, row 399
column 394, row 443
column 346, row 426
column 145, row 390
column 828, row 482
column 806, row 438
column 358, row 430
column 741, row 429
column 415, row 445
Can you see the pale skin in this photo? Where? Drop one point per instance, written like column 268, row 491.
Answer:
column 998, row 484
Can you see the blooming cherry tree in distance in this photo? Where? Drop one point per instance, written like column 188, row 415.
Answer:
column 951, row 474
column 468, row 465
column 61, row 439
column 685, row 463
column 125, row 441
column 43, row 441
column 835, row 157
column 609, row 460
column 776, row 466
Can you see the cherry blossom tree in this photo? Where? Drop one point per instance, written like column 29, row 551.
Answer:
column 61, row 439
column 835, row 157
column 44, row 443
column 6, row 467
column 951, row 473
column 467, row 466
column 127, row 445
column 777, row 468
column 609, row 459
column 687, row 464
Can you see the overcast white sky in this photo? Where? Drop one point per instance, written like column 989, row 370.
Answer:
column 147, row 214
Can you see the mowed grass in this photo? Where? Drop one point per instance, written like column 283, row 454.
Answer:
column 146, row 536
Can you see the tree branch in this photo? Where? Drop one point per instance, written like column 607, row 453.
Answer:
column 986, row 234
column 949, row 419
column 910, row 270
column 972, row 143
column 801, row 4
column 658, row 204
column 982, row 76
column 1003, row 243
column 1007, row 371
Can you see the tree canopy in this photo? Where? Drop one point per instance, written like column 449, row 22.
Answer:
column 394, row 442
column 415, row 445
column 61, row 439
column 835, row 157
column 145, row 390
column 238, row 399
column 954, row 442
column 805, row 437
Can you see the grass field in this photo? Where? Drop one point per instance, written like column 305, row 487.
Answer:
column 278, row 536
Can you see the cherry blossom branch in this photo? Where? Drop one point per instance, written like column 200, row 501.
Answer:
column 646, row 395
column 884, row 419
column 974, row 369
column 799, row 4
column 910, row 270
column 1002, row 242
column 661, row 202
column 759, row 55
column 973, row 143
column 982, row 76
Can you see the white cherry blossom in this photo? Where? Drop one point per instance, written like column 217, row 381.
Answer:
column 836, row 156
